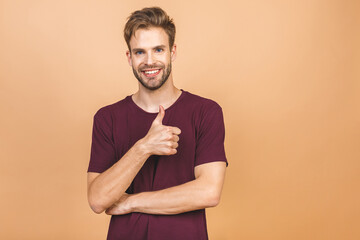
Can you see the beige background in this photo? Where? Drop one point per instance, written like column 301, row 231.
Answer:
column 287, row 74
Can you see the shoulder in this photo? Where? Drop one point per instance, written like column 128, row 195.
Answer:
column 201, row 104
column 107, row 112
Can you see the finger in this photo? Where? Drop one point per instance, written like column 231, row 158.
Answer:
column 175, row 130
column 175, row 145
column 175, row 138
column 159, row 118
column 171, row 151
column 109, row 211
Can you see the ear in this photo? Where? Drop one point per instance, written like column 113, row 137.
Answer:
column 173, row 52
column 128, row 55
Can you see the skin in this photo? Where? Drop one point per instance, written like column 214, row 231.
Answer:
column 106, row 191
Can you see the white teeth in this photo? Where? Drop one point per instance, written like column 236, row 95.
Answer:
column 151, row 72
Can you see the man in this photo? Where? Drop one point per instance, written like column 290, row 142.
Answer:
column 157, row 156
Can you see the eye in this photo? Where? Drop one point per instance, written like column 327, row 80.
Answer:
column 159, row 50
column 139, row 52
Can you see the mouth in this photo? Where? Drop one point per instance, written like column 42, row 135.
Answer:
column 151, row 72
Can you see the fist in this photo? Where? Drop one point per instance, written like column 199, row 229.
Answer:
column 161, row 139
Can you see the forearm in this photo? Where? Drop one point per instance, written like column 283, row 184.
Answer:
column 203, row 192
column 108, row 187
column 187, row 197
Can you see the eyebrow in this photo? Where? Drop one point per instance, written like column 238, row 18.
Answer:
column 141, row 49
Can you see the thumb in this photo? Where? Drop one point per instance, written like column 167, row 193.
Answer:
column 159, row 118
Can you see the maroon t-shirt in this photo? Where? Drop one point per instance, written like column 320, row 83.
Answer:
column 117, row 127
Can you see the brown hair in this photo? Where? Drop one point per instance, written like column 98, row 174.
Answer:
column 146, row 18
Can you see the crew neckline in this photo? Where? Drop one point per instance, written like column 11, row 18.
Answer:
column 146, row 112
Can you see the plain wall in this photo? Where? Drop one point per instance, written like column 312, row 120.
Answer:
column 286, row 73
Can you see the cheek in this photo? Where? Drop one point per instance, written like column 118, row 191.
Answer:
column 135, row 64
column 165, row 59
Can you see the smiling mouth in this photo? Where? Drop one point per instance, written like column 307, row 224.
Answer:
column 151, row 73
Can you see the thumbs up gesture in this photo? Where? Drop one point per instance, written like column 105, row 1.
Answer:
column 161, row 139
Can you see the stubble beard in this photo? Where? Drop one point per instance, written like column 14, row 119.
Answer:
column 163, row 79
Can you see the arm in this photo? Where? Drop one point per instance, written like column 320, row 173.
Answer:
column 104, row 189
column 108, row 187
column 200, row 193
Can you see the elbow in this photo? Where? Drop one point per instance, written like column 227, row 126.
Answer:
column 212, row 199
column 96, row 209
column 95, row 206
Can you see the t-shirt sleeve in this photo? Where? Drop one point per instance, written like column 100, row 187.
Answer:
column 102, row 154
column 211, row 136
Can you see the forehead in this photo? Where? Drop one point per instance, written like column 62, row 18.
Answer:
column 149, row 38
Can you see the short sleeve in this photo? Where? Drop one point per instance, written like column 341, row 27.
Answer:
column 210, row 136
column 102, row 154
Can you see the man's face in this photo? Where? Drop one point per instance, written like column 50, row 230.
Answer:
column 150, row 57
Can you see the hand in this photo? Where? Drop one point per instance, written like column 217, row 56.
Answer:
column 161, row 139
column 121, row 207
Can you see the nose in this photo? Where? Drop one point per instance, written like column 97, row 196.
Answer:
column 149, row 59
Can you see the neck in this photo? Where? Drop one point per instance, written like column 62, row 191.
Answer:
column 149, row 100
